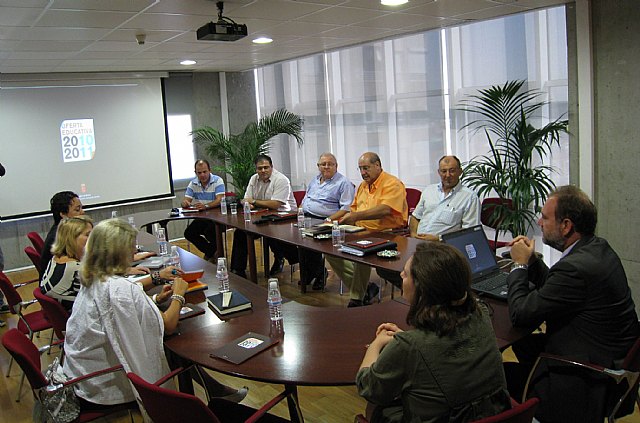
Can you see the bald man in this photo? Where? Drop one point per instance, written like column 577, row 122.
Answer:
column 380, row 203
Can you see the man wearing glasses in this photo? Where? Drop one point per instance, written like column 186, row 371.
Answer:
column 329, row 196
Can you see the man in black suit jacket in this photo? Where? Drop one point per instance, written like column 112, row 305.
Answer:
column 585, row 301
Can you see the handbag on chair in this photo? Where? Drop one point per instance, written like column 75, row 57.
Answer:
column 57, row 403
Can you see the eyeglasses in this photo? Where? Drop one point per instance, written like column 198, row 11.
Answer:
column 327, row 164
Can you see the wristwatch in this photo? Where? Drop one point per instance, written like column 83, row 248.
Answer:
column 516, row 266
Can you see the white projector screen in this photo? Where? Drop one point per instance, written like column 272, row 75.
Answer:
column 104, row 139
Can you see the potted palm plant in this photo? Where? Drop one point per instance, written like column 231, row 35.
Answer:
column 511, row 170
column 237, row 152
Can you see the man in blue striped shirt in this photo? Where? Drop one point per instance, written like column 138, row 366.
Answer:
column 203, row 193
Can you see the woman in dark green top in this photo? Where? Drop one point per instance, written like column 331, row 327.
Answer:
column 448, row 368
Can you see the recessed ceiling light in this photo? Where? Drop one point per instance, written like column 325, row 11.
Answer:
column 262, row 40
column 188, row 62
column 393, row 2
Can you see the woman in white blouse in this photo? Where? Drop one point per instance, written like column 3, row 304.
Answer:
column 115, row 322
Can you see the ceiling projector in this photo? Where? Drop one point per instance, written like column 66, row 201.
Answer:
column 225, row 29
column 221, row 31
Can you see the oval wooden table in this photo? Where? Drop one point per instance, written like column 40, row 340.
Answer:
column 321, row 346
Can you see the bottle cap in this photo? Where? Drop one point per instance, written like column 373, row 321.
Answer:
column 273, row 284
column 222, row 260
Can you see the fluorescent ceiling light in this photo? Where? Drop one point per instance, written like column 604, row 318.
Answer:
column 188, row 62
column 393, row 2
column 262, row 40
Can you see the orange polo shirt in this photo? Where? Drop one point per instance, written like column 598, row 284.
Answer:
column 387, row 190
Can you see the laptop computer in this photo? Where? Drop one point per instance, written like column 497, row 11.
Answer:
column 486, row 276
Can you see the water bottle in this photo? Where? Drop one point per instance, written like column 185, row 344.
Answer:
column 335, row 234
column 174, row 257
column 222, row 275
column 223, row 205
column 132, row 221
column 163, row 245
column 300, row 218
column 274, row 299
column 247, row 212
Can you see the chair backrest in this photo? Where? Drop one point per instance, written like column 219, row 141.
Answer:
column 26, row 355
column 55, row 312
column 10, row 293
column 166, row 405
column 37, row 241
column 489, row 205
column 519, row 413
column 299, row 196
column 34, row 256
column 413, row 197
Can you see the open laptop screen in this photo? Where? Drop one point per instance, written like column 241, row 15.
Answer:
column 473, row 244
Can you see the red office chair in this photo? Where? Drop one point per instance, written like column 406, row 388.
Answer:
column 413, row 198
column 519, row 413
column 37, row 241
column 167, row 406
column 487, row 217
column 299, row 196
column 624, row 395
column 55, row 313
column 27, row 356
column 28, row 324
column 34, row 256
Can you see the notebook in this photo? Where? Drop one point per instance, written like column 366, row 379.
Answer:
column 364, row 246
column 486, row 276
column 238, row 303
column 243, row 348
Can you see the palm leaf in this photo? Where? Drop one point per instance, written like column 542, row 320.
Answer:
column 504, row 112
column 237, row 152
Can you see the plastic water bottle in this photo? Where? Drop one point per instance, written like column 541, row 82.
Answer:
column 132, row 221
column 174, row 257
column 335, row 234
column 163, row 245
column 222, row 274
column 274, row 299
column 223, row 205
column 300, row 218
column 247, row 212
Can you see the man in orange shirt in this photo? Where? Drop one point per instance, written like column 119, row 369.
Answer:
column 380, row 203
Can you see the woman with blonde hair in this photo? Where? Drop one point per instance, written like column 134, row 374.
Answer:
column 447, row 368
column 115, row 322
column 61, row 278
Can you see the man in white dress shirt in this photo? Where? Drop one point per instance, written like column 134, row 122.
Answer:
column 443, row 207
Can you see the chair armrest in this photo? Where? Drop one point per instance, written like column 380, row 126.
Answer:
column 617, row 375
column 24, row 304
column 20, row 285
column 46, row 348
column 171, row 375
column 268, row 406
column 94, row 374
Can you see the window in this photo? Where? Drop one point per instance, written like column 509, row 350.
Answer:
column 180, row 146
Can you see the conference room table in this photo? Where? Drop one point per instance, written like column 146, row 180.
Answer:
column 320, row 346
column 285, row 231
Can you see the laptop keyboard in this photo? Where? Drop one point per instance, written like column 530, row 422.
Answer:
column 491, row 283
